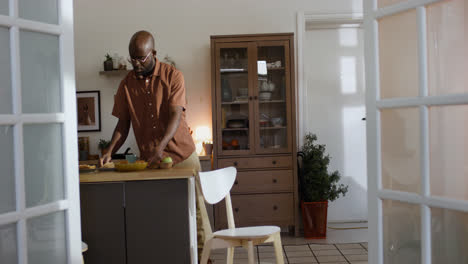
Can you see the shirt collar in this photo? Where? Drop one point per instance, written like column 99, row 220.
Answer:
column 156, row 71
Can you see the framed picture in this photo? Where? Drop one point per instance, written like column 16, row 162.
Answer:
column 89, row 111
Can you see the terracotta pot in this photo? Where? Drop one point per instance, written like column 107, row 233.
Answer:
column 314, row 219
column 208, row 149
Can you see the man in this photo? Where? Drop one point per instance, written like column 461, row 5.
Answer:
column 152, row 99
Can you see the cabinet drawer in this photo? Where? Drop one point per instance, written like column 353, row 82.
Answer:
column 259, row 209
column 263, row 181
column 257, row 162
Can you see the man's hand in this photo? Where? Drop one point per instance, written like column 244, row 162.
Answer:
column 157, row 156
column 105, row 158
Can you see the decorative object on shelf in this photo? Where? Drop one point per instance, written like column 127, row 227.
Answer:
column 208, row 147
column 169, row 61
column 122, row 64
column 108, row 63
column 227, row 92
column 116, row 61
column 103, row 144
column 316, row 187
column 276, row 121
column 83, row 148
column 273, row 65
column 89, row 111
column 237, row 121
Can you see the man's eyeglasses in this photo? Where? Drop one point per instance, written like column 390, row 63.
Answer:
column 141, row 61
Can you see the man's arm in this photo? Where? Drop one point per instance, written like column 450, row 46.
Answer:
column 118, row 138
column 175, row 114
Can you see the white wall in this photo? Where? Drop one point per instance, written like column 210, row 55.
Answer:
column 182, row 30
column 334, row 68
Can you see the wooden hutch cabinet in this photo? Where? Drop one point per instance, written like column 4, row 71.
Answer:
column 254, row 126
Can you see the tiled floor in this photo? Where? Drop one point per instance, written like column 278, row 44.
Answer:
column 340, row 247
column 354, row 253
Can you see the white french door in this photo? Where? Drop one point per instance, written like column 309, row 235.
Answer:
column 417, row 130
column 39, row 184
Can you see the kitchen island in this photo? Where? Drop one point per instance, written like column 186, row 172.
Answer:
column 139, row 217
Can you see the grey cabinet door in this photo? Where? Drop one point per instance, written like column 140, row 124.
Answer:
column 102, row 222
column 157, row 219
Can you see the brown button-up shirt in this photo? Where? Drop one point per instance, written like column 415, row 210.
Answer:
column 147, row 103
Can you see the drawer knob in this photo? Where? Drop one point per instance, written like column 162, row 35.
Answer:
column 236, row 182
column 250, row 98
column 235, row 163
column 275, row 207
column 274, row 162
column 236, row 209
column 275, row 181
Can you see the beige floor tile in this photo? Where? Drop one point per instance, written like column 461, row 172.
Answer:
column 359, row 262
column 243, row 255
column 292, row 254
column 332, row 252
column 349, row 246
column 302, row 260
column 219, row 251
column 217, row 256
column 243, row 261
column 269, row 254
column 356, row 257
column 321, row 247
column 271, row 260
column 330, row 258
column 341, row 262
column 356, row 251
column 297, row 248
column 365, row 245
column 266, row 249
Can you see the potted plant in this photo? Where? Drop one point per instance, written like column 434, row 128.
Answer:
column 316, row 186
column 108, row 63
column 103, row 144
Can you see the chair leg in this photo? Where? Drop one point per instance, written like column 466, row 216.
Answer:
column 278, row 249
column 206, row 252
column 230, row 255
column 250, row 251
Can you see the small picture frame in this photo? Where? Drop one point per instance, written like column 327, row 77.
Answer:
column 88, row 105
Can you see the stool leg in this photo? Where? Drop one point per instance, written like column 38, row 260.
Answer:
column 278, row 249
column 250, row 251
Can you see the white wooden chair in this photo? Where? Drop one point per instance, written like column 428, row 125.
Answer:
column 214, row 186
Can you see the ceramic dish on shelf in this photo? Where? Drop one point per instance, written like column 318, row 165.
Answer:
column 276, row 121
column 264, row 96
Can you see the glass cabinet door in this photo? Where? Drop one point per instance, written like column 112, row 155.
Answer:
column 272, row 97
column 234, row 93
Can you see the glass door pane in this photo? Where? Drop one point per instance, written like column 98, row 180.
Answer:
column 234, row 98
column 272, row 103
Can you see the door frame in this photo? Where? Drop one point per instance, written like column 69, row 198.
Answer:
column 70, row 204
column 317, row 21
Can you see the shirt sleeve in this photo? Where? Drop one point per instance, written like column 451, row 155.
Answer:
column 120, row 109
column 177, row 96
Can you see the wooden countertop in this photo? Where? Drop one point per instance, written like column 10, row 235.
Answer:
column 148, row 174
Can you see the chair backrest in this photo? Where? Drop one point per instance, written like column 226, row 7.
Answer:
column 217, row 184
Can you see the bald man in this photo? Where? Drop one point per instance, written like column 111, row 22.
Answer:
column 152, row 99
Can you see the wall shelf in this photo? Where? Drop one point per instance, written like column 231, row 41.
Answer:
column 114, row 72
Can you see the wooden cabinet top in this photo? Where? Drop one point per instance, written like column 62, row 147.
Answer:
column 149, row 174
